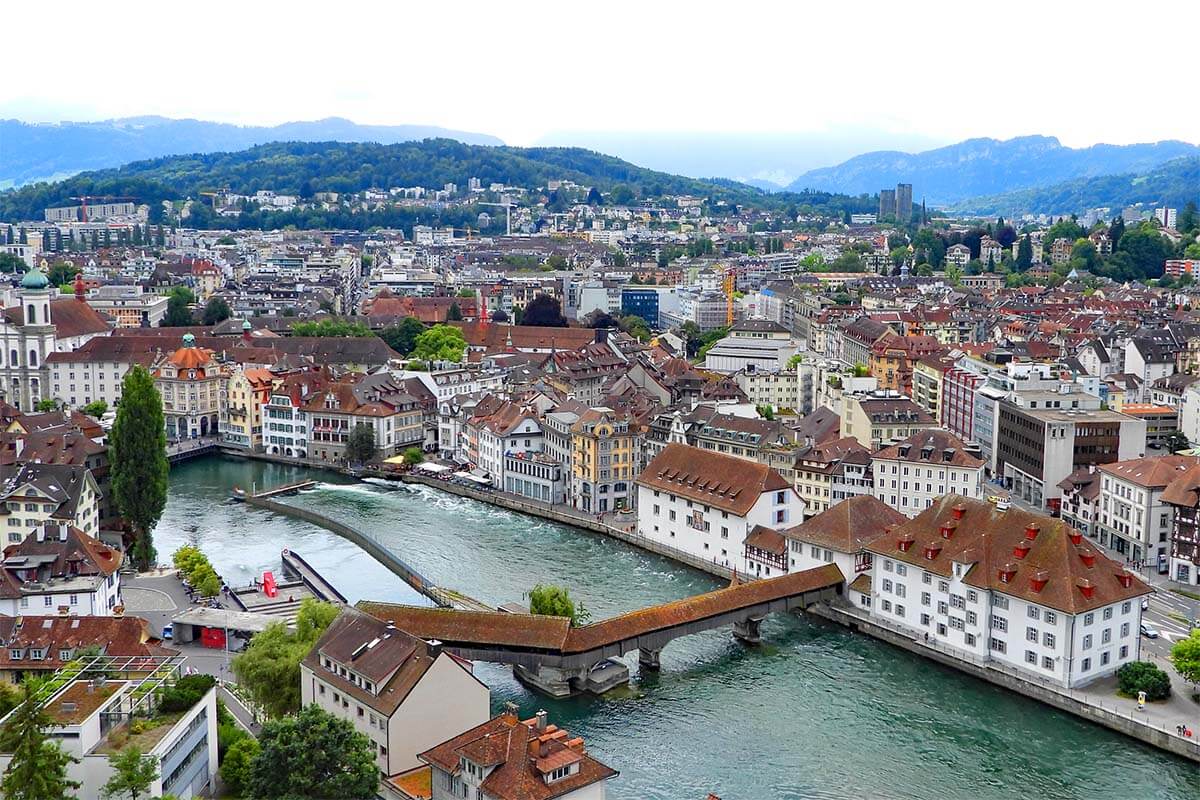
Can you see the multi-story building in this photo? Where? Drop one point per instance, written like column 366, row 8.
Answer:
column 130, row 306
column 95, row 371
column 33, row 494
column 1024, row 591
column 1080, row 507
column 60, row 569
column 403, row 693
column 92, row 719
column 839, row 536
column 1135, row 521
column 507, row 430
column 760, row 344
column 816, row 466
column 604, row 463
column 191, row 383
column 1037, row 448
column 538, row 761
column 1182, row 495
column 247, row 390
column 705, row 504
column 878, row 418
column 911, row 475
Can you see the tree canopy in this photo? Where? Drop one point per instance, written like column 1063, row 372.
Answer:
column 555, row 601
column 133, row 773
column 137, row 453
column 1185, row 657
column 38, row 767
column 360, row 444
column 312, row 755
column 179, row 311
column 330, row 327
column 402, row 337
column 269, row 668
column 544, row 311
column 216, row 310
column 441, row 343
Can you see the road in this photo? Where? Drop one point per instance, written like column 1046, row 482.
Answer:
column 1171, row 614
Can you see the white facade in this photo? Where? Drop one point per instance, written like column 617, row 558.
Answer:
column 1038, row 642
column 708, row 532
column 910, row 488
column 285, row 427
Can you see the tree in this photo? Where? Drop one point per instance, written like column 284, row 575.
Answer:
column 61, row 273
column 635, row 326
column 269, row 667
column 466, row 293
column 413, row 456
column 1147, row 249
column 555, row 601
column 137, row 455
column 621, row 195
column 313, row 755
column 544, row 311
column 454, row 313
column 441, row 343
column 47, row 404
column 237, row 765
column 179, row 311
column 133, row 773
column 499, row 316
column 1024, row 253
column 1116, row 231
column 331, row 328
column 594, row 198
column 1176, row 441
column 599, row 319
column 1085, row 252
column 402, row 337
column 38, row 768
column 12, row 263
column 96, row 408
column 360, row 444
column 1185, row 657
column 1142, row 676
column 217, row 310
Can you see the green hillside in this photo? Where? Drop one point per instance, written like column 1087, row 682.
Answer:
column 305, row 168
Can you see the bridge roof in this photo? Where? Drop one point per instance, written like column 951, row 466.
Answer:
column 526, row 631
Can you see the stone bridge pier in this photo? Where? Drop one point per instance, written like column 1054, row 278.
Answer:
column 649, row 658
column 748, row 631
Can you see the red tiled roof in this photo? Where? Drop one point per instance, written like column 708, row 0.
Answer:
column 729, row 483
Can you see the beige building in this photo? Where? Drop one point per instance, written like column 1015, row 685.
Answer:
column 879, row 418
column 247, row 390
column 192, row 386
column 404, row 694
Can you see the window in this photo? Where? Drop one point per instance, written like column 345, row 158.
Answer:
column 1000, row 601
column 1048, row 639
column 972, row 619
column 1108, row 613
column 900, row 590
column 1051, row 617
column 943, row 586
column 899, row 610
column 1000, row 623
column 1031, row 634
column 887, row 565
column 969, row 639
column 1087, row 664
column 925, row 599
column 1106, row 636
column 887, row 585
column 972, row 596
column 1030, row 657
column 957, row 601
column 901, row 569
column 1124, row 629
column 886, row 605
column 999, row 645
column 1087, row 641
column 1124, row 651
column 926, row 578
column 1035, row 612
column 1125, row 607
column 1104, row 658
column 1047, row 662
column 1089, row 618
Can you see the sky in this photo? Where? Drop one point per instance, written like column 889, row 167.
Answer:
column 529, row 71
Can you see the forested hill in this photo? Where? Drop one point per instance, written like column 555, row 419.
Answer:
column 304, row 168
column 1173, row 184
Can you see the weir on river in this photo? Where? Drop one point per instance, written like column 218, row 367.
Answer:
column 816, row 711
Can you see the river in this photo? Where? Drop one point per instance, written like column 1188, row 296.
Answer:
column 815, row 712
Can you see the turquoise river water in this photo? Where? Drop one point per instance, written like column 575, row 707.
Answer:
column 816, row 712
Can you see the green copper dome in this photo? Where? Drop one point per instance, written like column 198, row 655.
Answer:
column 35, row 279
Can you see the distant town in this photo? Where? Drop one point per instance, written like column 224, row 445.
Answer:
column 973, row 441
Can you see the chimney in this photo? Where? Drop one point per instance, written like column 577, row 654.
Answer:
column 79, row 293
column 1032, row 530
column 541, row 721
column 958, row 511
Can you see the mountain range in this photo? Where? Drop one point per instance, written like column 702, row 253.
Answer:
column 1175, row 184
column 985, row 167
column 32, row 152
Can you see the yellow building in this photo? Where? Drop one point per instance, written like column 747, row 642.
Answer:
column 247, row 390
column 604, row 464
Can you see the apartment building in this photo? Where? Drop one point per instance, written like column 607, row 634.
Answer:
column 878, row 418
column 58, row 568
column 1135, row 521
column 191, row 383
column 839, row 536
column 912, row 475
column 604, row 463
column 247, row 390
column 33, row 494
column 1022, row 590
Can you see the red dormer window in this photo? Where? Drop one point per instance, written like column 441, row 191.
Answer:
column 932, row 551
column 1087, row 557
column 1125, row 578
column 947, row 530
column 1032, row 530
column 1021, row 549
column 1039, row 580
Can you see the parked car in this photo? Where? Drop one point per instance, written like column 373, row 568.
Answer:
column 1149, row 631
column 168, row 631
column 1145, row 603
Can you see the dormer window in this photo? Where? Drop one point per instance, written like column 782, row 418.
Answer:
column 16, row 654
column 561, row 772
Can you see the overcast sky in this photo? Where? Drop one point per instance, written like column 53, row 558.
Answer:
column 523, row 70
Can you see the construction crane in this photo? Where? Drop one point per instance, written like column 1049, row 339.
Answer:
column 508, row 207
column 730, row 286
column 83, row 203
